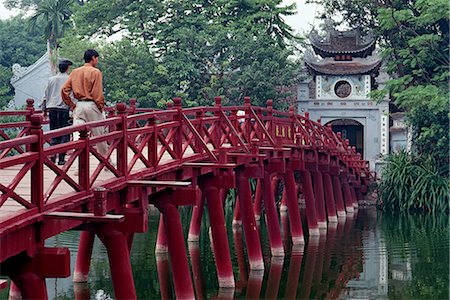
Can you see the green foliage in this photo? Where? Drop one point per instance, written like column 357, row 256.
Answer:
column 55, row 15
column 197, row 49
column 73, row 47
column 6, row 90
column 17, row 45
column 413, row 183
column 131, row 71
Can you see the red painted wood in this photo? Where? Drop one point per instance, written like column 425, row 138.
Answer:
column 196, row 219
column 219, row 236
column 119, row 261
column 295, row 223
column 84, row 255
column 249, row 222
column 320, row 200
column 311, row 217
column 159, row 145
column 337, row 190
column 176, row 246
column 273, row 224
column 330, row 200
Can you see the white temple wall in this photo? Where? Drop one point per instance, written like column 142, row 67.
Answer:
column 31, row 81
column 371, row 119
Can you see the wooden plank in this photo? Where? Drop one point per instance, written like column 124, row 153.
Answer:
column 210, row 164
column 274, row 148
column 155, row 183
column 84, row 216
column 250, row 155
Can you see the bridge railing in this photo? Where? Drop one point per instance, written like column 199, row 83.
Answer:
column 146, row 143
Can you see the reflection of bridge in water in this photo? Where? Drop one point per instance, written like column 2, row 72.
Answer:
column 169, row 159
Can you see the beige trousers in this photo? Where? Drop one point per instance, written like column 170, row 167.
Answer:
column 87, row 111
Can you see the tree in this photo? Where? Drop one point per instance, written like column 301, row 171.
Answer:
column 55, row 15
column 203, row 48
column 6, row 90
column 17, row 45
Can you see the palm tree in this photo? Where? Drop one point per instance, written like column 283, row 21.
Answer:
column 54, row 14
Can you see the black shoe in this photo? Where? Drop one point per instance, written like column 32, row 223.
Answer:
column 53, row 158
column 61, row 162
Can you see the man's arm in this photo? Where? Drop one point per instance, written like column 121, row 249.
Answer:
column 97, row 91
column 65, row 93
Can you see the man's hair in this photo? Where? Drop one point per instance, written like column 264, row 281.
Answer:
column 64, row 65
column 89, row 54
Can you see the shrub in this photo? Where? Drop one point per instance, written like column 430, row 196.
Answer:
column 413, row 183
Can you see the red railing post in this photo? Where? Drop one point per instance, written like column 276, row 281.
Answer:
column 153, row 143
column 30, row 112
column 199, row 117
column 83, row 161
column 122, row 153
column 247, row 122
column 132, row 108
column 37, row 171
column 218, row 125
column 293, row 115
column 178, row 137
column 30, row 108
column 132, row 111
column 271, row 128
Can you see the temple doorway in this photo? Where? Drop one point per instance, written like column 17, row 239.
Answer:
column 351, row 130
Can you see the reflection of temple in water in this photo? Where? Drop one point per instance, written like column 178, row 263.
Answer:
column 378, row 267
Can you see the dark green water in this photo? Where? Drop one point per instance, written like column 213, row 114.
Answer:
column 367, row 256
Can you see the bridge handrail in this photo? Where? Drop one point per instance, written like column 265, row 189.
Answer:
column 204, row 130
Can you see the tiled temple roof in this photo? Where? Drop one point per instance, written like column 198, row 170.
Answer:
column 329, row 66
column 342, row 42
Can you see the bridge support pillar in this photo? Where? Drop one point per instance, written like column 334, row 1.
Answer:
column 119, row 261
column 31, row 286
column 177, row 251
column 237, row 221
column 273, row 224
column 258, row 199
column 161, row 240
column 311, row 218
column 14, row 291
column 163, row 269
column 249, row 223
column 219, row 234
column 196, row 220
column 283, row 205
column 338, row 196
column 347, row 196
column 329, row 196
column 81, row 272
column 320, row 201
column 295, row 222
column 354, row 197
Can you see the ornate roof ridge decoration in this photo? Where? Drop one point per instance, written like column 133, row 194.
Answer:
column 19, row 71
column 329, row 66
column 342, row 42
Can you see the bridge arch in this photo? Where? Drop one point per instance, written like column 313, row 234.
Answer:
column 351, row 129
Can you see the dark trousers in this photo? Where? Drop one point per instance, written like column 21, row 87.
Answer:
column 59, row 118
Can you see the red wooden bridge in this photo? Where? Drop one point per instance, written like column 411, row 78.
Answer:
column 179, row 156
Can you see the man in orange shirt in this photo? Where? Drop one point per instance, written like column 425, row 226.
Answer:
column 86, row 85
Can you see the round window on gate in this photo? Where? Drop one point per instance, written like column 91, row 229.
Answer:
column 342, row 89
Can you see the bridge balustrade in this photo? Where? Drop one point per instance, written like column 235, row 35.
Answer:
column 145, row 143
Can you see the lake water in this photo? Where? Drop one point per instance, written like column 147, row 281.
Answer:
column 365, row 256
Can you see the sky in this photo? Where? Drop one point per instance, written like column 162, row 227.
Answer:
column 300, row 22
